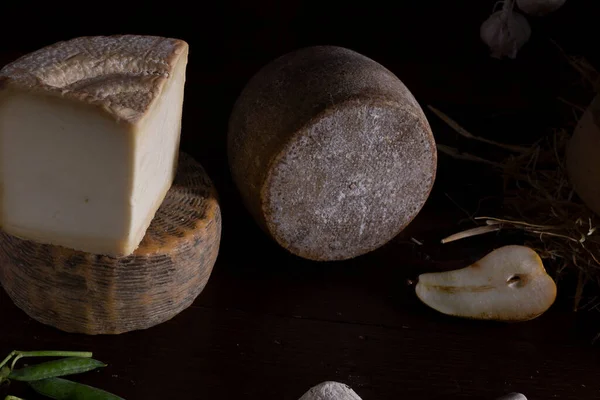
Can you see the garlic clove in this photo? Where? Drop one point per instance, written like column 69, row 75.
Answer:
column 330, row 391
column 508, row 284
column 505, row 32
column 539, row 8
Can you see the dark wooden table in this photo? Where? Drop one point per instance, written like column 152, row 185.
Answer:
column 270, row 325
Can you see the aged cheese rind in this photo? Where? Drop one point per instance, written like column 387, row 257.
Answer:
column 122, row 74
column 87, row 293
column 331, row 153
column 89, row 136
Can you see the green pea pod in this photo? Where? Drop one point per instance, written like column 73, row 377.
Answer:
column 51, row 369
column 4, row 373
column 63, row 389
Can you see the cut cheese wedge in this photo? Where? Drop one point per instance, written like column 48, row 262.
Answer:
column 89, row 137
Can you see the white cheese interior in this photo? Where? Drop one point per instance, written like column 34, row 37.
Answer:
column 74, row 177
column 156, row 150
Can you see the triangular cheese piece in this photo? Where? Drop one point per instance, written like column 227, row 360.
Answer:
column 89, row 137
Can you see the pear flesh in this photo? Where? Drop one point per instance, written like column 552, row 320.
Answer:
column 508, row 284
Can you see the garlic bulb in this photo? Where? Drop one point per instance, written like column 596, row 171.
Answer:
column 513, row 396
column 505, row 32
column 539, row 8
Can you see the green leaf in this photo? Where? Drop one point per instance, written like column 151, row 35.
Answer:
column 63, row 389
column 51, row 369
column 47, row 353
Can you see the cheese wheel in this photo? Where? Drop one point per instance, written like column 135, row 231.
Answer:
column 331, row 153
column 582, row 161
column 95, row 294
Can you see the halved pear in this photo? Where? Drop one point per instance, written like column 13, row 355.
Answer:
column 508, row 284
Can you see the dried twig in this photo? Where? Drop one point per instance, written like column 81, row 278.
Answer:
column 538, row 197
column 584, row 69
column 462, row 131
column 451, row 151
column 480, row 230
column 537, row 190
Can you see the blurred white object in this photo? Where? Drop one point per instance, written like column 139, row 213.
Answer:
column 513, row 396
column 338, row 391
column 330, row 391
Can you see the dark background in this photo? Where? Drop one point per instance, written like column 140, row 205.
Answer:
column 270, row 325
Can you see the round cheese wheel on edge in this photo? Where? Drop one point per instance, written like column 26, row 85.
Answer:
column 331, row 153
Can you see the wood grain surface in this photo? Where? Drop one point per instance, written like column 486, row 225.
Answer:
column 270, row 325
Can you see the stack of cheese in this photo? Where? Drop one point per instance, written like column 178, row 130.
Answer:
column 89, row 140
column 105, row 227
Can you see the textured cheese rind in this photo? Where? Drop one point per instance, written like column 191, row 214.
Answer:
column 121, row 74
column 92, row 294
column 127, row 91
column 331, row 152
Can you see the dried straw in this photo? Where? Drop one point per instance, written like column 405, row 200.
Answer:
column 539, row 200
